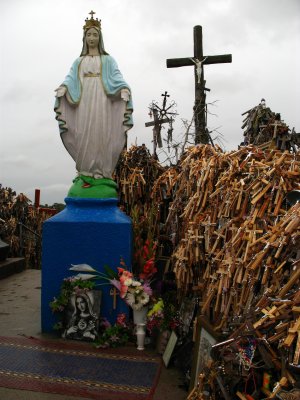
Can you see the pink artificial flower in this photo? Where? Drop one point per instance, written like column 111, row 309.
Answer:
column 123, row 291
column 124, row 275
column 116, row 283
column 147, row 288
column 105, row 323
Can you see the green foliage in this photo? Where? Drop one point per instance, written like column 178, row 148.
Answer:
column 110, row 272
column 58, row 206
column 68, row 288
column 114, row 336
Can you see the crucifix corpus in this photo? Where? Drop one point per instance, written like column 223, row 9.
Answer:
column 201, row 134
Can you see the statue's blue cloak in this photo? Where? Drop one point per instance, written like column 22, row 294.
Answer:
column 112, row 80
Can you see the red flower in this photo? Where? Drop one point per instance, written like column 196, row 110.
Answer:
column 145, row 251
column 121, row 270
column 121, row 319
column 149, row 269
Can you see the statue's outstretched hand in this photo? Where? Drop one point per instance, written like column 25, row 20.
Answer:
column 125, row 94
column 60, row 91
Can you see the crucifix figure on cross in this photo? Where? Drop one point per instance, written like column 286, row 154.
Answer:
column 201, row 134
column 199, row 68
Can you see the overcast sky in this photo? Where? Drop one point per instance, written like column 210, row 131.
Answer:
column 41, row 39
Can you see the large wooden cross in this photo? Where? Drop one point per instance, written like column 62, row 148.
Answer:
column 198, row 60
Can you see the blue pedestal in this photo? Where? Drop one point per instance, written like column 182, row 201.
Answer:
column 87, row 231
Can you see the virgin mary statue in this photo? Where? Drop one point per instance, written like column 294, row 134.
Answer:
column 94, row 112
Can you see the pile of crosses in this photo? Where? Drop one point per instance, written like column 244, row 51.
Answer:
column 136, row 172
column 234, row 222
column 265, row 128
column 224, row 206
column 260, row 358
column 135, row 175
column 236, row 236
column 21, row 226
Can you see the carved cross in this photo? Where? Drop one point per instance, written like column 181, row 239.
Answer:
column 201, row 134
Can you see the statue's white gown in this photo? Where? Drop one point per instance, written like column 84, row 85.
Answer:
column 95, row 133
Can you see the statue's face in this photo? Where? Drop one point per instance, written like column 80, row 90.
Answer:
column 92, row 38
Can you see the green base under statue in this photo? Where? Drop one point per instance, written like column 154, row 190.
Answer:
column 91, row 188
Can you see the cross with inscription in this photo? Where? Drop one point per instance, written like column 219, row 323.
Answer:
column 201, row 134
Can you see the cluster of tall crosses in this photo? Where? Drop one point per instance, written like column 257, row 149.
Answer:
column 198, row 60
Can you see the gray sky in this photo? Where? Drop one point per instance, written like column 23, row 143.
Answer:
column 41, row 39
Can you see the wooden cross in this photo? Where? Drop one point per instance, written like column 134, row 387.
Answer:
column 161, row 115
column 113, row 292
column 201, row 134
column 156, row 129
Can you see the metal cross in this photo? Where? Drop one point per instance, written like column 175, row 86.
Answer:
column 92, row 14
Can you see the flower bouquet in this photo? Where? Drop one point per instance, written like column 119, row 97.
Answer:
column 135, row 292
column 163, row 316
column 161, row 320
column 114, row 335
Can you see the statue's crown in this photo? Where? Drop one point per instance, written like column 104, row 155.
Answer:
column 92, row 23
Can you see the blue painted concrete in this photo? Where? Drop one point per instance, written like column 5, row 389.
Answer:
column 90, row 231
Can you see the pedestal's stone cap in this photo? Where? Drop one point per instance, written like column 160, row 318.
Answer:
column 87, row 210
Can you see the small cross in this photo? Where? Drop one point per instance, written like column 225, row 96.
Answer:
column 165, row 95
column 92, row 14
column 113, row 292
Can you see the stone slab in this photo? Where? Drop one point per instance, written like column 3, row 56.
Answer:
column 11, row 266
